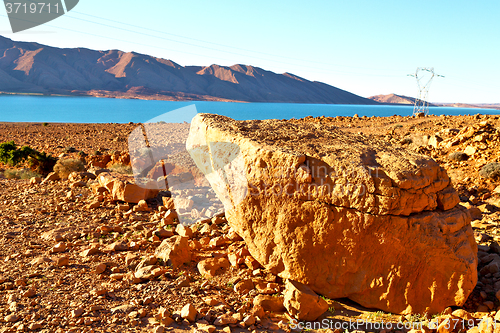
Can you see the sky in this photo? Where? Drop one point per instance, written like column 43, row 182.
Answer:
column 363, row 46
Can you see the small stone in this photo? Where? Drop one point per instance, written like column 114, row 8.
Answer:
column 94, row 205
column 217, row 241
column 77, row 312
column 62, row 261
column 90, row 252
column 12, row 318
column 99, row 292
column 184, row 231
column 100, row 268
column 270, row 303
column 174, row 251
column 302, row 302
column 249, row 321
column 225, row 319
column 58, row 248
column 212, row 266
column 117, row 276
column 29, row 293
column 244, row 286
column 116, row 246
column 189, row 312
column 168, row 203
column 159, row 329
column 204, row 327
column 126, row 308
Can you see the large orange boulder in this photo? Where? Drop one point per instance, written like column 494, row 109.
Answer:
column 346, row 215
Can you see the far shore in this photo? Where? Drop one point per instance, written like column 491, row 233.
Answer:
column 181, row 97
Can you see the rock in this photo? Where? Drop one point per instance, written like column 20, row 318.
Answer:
column 159, row 329
column 90, row 252
column 205, row 328
column 116, row 246
column 142, row 206
column 53, row 176
column 303, row 303
column 212, row 266
column 77, row 312
column 168, row 202
column 145, row 273
column 189, row 312
column 101, row 268
column 183, row 203
column 249, row 320
column 62, row 261
column 225, row 319
column 29, row 293
column 35, row 180
column 125, row 308
column 125, row 188
column 174, row 251
column 184, row 231
column 12, row 318
column 94, row 205
column 270, row 303
column 58, row 248
column 336, row 210
column 244, row 286
column 434, row 141
column 469, row 150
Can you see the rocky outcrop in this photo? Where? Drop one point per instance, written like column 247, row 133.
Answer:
column 347, row 215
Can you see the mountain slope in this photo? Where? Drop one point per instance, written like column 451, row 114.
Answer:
column 393, row 99
column 36, row 68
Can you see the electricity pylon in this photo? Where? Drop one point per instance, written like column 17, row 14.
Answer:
column 423, row 83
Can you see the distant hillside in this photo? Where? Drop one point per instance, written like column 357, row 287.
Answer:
column 394, row 99
column 36, row 68
column 399, row 99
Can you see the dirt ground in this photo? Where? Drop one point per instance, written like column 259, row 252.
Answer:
column 49, row 282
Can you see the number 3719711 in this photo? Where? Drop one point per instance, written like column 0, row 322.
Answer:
column 32, row 8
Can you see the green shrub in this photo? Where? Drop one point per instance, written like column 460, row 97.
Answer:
column 20, row 174
column 37, row 161
column 121, row 168
column 490, row 170
column 64, row 167
column 458, row 156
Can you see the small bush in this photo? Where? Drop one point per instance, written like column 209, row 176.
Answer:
column 45, row 124
column 458, row 156
column 20, row 174
column 64, row 167
column 121, row 168
column 37, row 161
column 490, row 170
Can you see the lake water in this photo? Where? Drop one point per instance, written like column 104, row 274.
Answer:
column 109, row 110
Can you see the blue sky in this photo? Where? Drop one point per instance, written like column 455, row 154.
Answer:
column 365, row 47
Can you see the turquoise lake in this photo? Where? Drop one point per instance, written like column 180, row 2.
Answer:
column 110, row 110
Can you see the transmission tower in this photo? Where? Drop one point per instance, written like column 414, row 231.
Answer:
column 424, row 76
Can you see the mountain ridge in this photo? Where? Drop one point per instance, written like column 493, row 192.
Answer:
column 29, row 67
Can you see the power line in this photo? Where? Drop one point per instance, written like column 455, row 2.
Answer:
column 218, row 44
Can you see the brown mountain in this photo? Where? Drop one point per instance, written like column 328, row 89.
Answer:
column 399, row 99
column 36, row 68
column 393, row 99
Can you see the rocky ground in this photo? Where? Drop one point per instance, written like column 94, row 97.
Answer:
column 74, row 259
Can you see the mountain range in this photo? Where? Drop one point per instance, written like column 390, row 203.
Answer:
column 405, row 100
column 35, row 68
